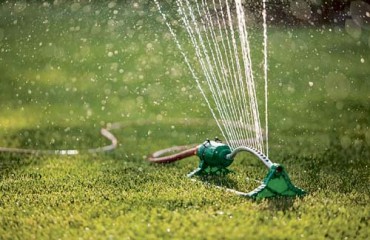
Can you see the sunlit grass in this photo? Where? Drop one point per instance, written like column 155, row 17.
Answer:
column 17, row 120
column 67, row 71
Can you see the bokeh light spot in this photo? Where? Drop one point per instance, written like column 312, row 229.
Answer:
column 337, row 86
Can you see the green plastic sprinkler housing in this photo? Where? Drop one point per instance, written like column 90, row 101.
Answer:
column 213, row 158
column 276, row 183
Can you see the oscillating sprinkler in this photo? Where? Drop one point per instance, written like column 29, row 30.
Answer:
column 216, row 156
column 226, row 84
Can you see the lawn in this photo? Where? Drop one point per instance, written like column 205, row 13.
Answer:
column 68, row 70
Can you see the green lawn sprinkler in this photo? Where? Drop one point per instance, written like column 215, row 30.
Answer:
column 215, row 157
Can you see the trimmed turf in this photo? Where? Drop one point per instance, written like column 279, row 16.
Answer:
column 67, row 70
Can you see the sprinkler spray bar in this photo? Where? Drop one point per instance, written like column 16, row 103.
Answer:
column 257, row 153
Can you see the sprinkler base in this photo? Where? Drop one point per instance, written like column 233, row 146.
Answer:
column 276, row 183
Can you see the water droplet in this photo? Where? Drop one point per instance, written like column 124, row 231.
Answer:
column 112, row 4
column 75, row 7
column 86, row 9
column 149, row 47
column 300, row 9
column 2, row 34
column 367, row 136
column 20, row 6
column 337, row 86
column 353, row 29
column 219, row 212
column 159, row 117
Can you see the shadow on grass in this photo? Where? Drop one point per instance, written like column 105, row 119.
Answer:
column 280, row 203
column 221, row 181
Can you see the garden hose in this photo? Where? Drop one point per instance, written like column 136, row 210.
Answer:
column 105, row 132
column 183, row 152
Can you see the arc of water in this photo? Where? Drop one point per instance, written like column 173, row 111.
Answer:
column 212, row 82
column 228, row 79
column 265, row 72
column 243, row 33
column 191, row 69
column 217, row 59
column 240, row 95
column 203, row 58
column 222, row 77
column 224, row 56
column 216, row 81
column 243, row 41
column 239, row 83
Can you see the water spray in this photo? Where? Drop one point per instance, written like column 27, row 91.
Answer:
column 218, row 33
column 215, row 158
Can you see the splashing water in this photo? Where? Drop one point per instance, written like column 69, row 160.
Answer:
column 217, row 31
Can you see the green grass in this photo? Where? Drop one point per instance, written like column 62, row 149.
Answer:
column 60, row 85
